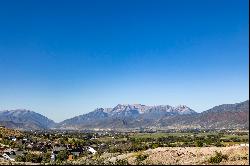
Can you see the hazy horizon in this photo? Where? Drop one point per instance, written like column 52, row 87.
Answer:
column 66, row 58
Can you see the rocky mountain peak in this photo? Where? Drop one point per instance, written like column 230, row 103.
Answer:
column 134, row 115
column 183, row 109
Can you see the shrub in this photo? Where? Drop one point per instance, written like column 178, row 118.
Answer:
column 154, row 145
column 218, row 144
column 217, row 158
column 141, row 157
column 30, row 157
column 121, row 162
column 46, row 158
column 198, row 143
column 20, row 158
column 62, row 156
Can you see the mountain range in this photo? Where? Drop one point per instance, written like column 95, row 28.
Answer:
column 132, row 116
column 25, row 119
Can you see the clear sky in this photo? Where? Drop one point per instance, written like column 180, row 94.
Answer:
column 66, row 58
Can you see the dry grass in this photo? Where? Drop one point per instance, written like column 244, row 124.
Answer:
column 190, row 155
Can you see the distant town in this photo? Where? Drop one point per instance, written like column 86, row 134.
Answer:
column 109, row 147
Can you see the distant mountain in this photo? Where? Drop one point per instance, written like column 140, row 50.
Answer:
column 226, row 116
column 243, row 106
column 25, row 119
column 162, row 116
column 122, row 115
column 223, row 116
column 88, row 119
column 129, row 116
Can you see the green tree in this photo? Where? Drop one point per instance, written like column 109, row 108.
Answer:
column 46, row 158
column 20, row 158
column 121, row 162
column 155, row 145
column 218, row 144
column 62, row 155
column 140, row 158
column 198, row 143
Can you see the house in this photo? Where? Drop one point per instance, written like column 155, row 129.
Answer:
column 9, row 150
column 70, row 157
column 58, row 148
column 53, row 156
column 69, row 147
column 25, row 139
column 244, row 145
column 30, row 146
column 76, row 151
column 55, row 152
column 92, row 150
column 8, row 156
column 12, row 138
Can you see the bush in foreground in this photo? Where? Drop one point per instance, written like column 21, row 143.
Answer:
column 217, row 158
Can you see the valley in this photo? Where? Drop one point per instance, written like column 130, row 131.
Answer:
column 124, row 148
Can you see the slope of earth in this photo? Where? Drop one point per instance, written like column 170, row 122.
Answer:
column 10, row 132
column 237, row 155
column 226, row 116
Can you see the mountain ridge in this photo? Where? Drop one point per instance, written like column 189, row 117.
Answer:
column 26, row 119
column 128, row 110
column 136, row 116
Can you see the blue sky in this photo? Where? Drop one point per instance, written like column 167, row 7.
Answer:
column 65, row 58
